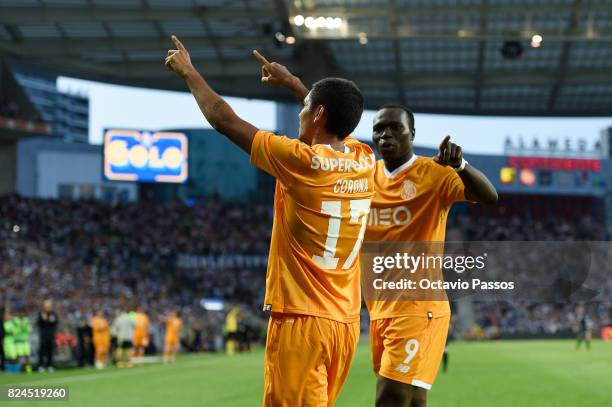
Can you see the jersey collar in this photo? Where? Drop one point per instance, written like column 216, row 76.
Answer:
column 346, row 149
column 401, row 168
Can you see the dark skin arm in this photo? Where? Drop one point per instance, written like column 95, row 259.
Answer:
column 478, row 188
column 278, row 75
column 218, row 113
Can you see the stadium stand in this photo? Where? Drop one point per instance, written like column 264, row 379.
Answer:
column 90, row 255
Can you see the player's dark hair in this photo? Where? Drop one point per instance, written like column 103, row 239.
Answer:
column 342, row 100
column 404, row 108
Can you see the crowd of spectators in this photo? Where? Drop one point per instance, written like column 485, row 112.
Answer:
column 531, row 317
column 516, row 228
column 89, row 255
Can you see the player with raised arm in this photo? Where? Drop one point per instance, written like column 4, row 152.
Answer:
column 407, row 337
column 321, row 203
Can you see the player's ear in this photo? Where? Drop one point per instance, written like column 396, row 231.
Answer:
column 320, row 113
column 412, row 134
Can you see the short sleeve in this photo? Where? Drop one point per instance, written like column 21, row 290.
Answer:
column 280, row 156
column 452, row 188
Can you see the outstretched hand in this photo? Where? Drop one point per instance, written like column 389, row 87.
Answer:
column 449, row 153
column 178, row 60
column 273, row 72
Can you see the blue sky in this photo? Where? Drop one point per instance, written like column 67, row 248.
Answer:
column 114, row 106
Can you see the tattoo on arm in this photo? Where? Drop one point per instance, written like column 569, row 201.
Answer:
column 217, row 105
column 219, row 112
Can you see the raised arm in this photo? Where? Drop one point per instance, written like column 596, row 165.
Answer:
column 277, row 74
column 218, row 113
column 478, row 188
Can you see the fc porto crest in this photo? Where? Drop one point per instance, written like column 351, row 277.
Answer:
column 408, row 190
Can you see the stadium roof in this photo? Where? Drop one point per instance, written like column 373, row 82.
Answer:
column 433, row 55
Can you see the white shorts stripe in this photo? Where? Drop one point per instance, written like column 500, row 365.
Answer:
column 419, row 383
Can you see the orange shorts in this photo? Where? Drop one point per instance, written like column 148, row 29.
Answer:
column 307, row 360
column 140, row 340
column 408, row 349
column 171, row 341
column 101, row 344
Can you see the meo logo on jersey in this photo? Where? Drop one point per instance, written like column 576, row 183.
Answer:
column 398, row 216
column 408, row 190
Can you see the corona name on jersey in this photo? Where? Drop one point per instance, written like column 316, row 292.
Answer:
column 351, row 186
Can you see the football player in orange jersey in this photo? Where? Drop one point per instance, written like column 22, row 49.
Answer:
column 321, row 202
column 101, row 338
column 140, row 340
column 414, row 196
column 172, row 337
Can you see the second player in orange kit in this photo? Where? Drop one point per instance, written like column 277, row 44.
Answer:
column 413, row 199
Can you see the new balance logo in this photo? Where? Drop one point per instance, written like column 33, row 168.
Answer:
column 403, row 368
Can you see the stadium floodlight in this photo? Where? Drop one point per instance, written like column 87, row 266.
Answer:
column 320, row 22
column 536, row 41
column 298, row 20
column 310, row 23
column 280, row 37
column 463, row 33
column 290, row 40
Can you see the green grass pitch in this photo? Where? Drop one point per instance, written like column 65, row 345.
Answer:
column 503, row 373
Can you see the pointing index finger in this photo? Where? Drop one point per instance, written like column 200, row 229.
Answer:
column 178, row 44
column 444, row 142
column 262, row 60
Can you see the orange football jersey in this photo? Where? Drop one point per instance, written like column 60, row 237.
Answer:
column 99, row 326
column 142, row 324
column 412, row 204
column 321, row 204
column 173, row 327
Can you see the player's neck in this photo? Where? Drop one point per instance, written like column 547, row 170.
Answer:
column 395, row 163
column 330, row 139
